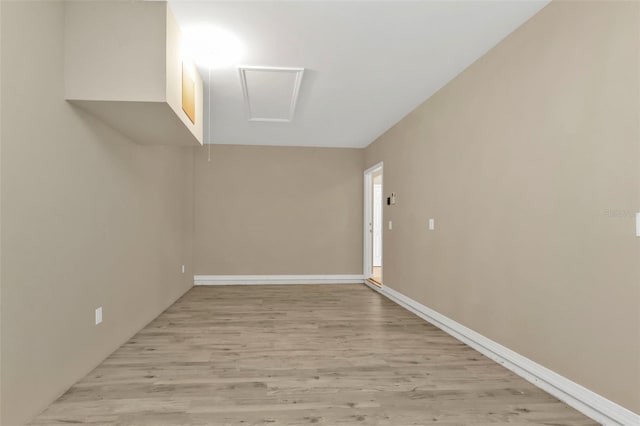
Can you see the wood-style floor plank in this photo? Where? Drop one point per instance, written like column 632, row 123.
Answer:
column 293, row 355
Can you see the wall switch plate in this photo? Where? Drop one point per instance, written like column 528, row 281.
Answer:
column 390, row 225
column 638, row 224
column 432, row 224
column 99, row 315
column 182, row 269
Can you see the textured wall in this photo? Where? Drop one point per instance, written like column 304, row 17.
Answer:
column 278, row 210
column 89, row 219
column 525, row 161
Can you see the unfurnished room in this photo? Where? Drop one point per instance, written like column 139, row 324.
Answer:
column 327, row 212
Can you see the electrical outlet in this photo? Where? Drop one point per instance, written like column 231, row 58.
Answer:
column 432, row 224
column 182, row 269
column 99, row 315
column 390, row 225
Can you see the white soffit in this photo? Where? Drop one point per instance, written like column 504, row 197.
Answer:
column 270, row 93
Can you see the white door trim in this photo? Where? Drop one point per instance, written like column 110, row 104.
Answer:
column 377, row 224
column 368, row 218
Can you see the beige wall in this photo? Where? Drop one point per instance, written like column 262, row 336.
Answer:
column 518, row 160
column 89, row 219
column 91, row 46
column 278, row 210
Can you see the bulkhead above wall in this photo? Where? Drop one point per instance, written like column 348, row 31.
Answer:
column 123, row 64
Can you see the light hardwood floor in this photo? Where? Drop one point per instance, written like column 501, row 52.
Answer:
column 293, row 355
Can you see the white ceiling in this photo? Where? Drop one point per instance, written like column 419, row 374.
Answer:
column 367, row 63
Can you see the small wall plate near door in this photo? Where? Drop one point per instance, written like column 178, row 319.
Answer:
column 99, row 315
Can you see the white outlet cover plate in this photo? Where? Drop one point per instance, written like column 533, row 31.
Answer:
column 99, row 315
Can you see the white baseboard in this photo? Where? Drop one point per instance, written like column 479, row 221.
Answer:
column 276, row 279
column 582, row 399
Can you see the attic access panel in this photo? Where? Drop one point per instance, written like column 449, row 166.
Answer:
column 270, row 93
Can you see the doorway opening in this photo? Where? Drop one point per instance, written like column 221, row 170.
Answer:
column 373, row 202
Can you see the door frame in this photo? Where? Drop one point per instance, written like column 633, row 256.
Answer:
column 368, row 220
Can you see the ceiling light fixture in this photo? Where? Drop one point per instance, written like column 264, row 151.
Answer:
column 212, row 47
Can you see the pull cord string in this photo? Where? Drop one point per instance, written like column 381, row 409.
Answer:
column 209, row 116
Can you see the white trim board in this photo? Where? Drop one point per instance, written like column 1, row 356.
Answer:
column 276, row 279
column 582, row 399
